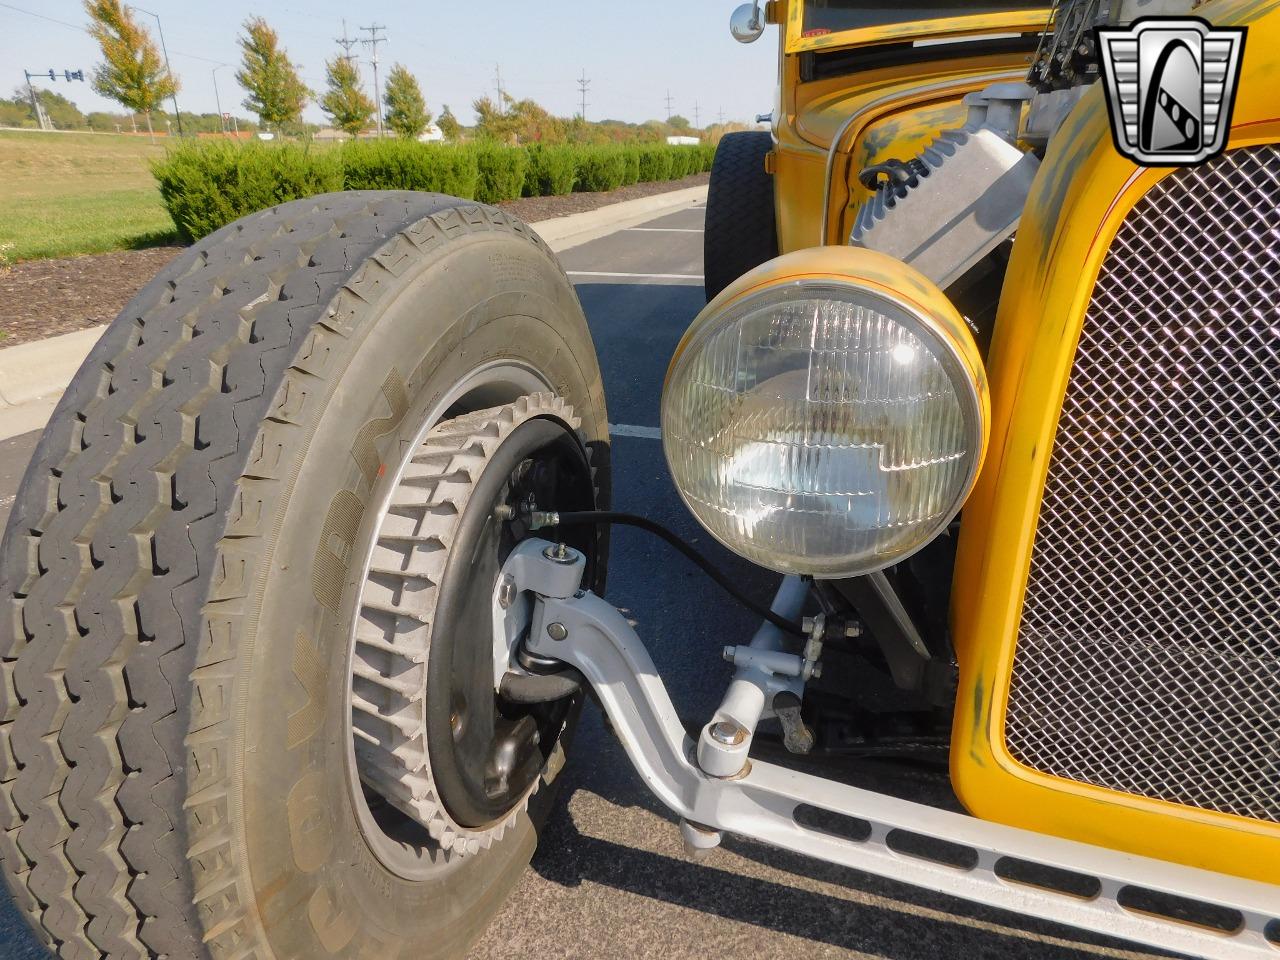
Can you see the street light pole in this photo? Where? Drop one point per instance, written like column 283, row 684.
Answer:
column 167, row 69
column 222, row 122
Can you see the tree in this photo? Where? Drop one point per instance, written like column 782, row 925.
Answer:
column 653, row 130
column 345, row 102
column 276, row 92
column 131, row 73
column 716, row 132
column 64, row 114
column 449, row 126
column 520, row 121
column 15, row 112
column 102, row 122
column 678, row 122
column 212, row 123
column 407, row 112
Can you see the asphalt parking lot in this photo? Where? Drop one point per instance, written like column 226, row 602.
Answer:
column 609, row 878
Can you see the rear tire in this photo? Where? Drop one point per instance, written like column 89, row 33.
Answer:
column 173, row 713
column 741, row 230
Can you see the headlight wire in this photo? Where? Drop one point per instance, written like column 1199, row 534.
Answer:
column 540, row 519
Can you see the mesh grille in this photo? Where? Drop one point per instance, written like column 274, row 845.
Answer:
column 1148, row 659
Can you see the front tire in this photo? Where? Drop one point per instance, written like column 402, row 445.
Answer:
column 741, row 231
column 181, row 562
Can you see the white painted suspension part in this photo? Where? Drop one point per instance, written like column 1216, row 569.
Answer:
column 763, row 801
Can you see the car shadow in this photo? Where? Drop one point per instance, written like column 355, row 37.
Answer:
column 776, row 890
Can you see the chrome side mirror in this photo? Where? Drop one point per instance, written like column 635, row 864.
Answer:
column 746, row 24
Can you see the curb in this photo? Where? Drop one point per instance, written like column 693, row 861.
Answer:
column 33, row 375
column 565, row 233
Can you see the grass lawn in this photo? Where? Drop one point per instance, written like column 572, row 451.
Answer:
column 70, row 193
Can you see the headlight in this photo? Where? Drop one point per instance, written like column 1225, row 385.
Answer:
column 816, row 421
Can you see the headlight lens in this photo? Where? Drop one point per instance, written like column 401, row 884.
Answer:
column 818, row 427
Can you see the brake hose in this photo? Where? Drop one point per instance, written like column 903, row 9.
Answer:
column 581, row 517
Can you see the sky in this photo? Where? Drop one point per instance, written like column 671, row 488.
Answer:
column 632, row 53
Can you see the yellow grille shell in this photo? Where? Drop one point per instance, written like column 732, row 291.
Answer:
column 1084, row 191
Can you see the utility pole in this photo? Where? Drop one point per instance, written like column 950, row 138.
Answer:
column 373, row 42
column 167, row 69
column 720, row 117
column 695, row 115
column 497, row 80
column 42, row 118
column 583, row 84
column 669, row 98
column 222, row 121
column 346, row 43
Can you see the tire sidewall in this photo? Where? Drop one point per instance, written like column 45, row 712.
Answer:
column 318, row 888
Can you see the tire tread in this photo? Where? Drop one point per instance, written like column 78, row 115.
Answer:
column 740, row 231
column 128, row 555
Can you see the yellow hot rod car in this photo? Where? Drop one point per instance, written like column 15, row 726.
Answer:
column 300, row 598
column 1111, row 595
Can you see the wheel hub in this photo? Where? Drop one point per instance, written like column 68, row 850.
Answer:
column 431, row 735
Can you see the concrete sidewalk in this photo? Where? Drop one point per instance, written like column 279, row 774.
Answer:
column 33, row 375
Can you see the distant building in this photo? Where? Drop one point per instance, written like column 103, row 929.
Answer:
column 332, row 133
column 431, row 134
column 683, row 141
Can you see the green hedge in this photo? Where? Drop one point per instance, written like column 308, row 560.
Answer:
column 680, row 160
column 552, row 170
column 655, row 163
column 600, row 168
column 207, row 184
column 502, row 172
column 631, row 172
column 407, row 165
column 706, row 153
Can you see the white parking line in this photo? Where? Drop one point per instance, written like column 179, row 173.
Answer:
column 635, row 276
column 664, row 229
column 627, row 430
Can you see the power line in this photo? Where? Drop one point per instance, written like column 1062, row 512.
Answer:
column 373, row 42
column 720, row 117
column 192, row 56
column 669, row 98
column 32, row 13
column 346, row 43
column 695, row 115
column 583, row 85
column 82, row 29
column 497, row 80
